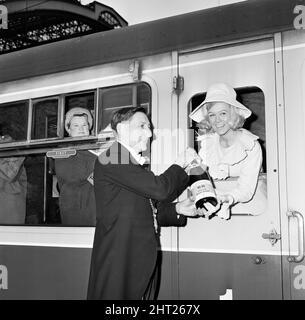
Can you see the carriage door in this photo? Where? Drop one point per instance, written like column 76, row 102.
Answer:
column 239, row 258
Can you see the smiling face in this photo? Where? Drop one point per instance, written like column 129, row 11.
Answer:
column 220, row 118
column 135, row 132
column 79, row 126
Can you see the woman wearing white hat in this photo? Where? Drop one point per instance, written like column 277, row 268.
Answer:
column 226, row 148
column 77, row 200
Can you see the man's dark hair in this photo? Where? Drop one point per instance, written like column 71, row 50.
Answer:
column 125, row 114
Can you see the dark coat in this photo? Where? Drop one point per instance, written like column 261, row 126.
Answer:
column 125, row 243
column 76, row 200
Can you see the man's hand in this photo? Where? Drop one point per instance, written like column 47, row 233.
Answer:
column 226, row 201
column 187, row 208
column 206, row 213
column 190, row 166
column 187, row 157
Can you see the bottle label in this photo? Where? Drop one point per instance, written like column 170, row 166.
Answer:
column 202, row 189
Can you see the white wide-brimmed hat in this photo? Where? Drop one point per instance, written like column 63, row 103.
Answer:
column 219, row 92
column 78, row 111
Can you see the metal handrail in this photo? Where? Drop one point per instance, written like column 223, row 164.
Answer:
column 300, row 218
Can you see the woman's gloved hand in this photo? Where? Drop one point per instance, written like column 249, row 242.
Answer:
column 226, row 201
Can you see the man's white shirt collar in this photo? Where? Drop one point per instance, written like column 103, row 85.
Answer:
column 141, row 160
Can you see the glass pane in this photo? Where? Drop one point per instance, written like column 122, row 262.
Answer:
column 113, row 99
column 74, row 189
column 28, row 191
column 13, row 121
column 42, row 198
column 83, row 100
column 36, row 190
column 13, row 190
column 29, row 194
column 45, row 119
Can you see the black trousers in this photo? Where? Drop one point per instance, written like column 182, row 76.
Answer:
column 153, row 287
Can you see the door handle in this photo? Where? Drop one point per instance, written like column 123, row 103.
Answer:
column 299, row 217
column 273, row 236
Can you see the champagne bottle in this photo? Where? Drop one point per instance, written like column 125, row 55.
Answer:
column 201, row 186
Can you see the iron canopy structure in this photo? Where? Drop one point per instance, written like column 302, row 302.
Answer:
column 36, row 22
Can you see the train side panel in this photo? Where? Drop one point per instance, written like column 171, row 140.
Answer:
column 294, row 99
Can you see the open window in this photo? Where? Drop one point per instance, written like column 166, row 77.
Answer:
column 253, row 98
column 86, row 100
column 48, row 114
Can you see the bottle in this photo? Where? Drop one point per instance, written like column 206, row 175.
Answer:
column 201, row 186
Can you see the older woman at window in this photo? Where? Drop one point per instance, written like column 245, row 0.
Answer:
column 75, row 174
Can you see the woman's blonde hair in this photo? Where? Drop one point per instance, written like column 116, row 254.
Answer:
column 237, row 120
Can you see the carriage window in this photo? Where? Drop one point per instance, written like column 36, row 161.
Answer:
column 81, row 100
column 38, row 190
column 13, row 190
column 28, row 191
column 13, row 121
column 254, row 99
column 113, row 99
column 45, row 119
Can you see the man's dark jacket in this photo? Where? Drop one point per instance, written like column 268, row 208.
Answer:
column 125, row 243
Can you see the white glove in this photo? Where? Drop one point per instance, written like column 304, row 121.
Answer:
column 210, row 210
column 226, row 201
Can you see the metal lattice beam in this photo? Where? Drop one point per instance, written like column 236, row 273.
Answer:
column 41, row 22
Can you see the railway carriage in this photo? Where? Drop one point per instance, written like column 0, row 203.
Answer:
column 166, row 66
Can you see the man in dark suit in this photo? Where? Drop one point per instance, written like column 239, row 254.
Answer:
column 126, row 242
